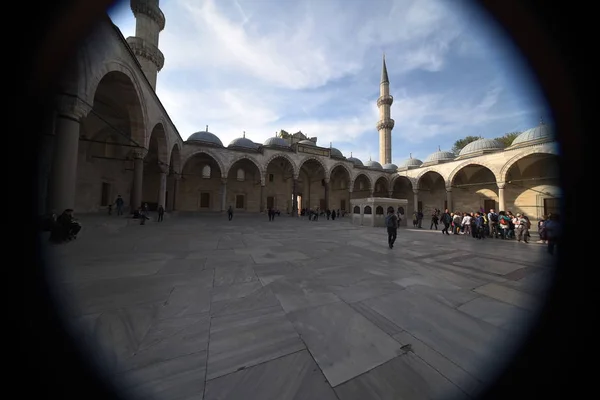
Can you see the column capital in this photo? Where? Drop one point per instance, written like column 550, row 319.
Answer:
column 176, row 176
column 164, row 168
column 72, row 107
column 501, row 185
column 224, row 181
column 390, row 193
column 139, row 153
column 327, row 180
column 448, row 188
column 416, row 191
column 350, row 189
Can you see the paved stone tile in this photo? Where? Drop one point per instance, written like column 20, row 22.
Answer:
column 343, row 342
column 262, row 297
column 510, row 296
column 450, row 297
column 186, row 300
column 230, row 276
column 242, row 340
column 498, row 313
column 180, row 378
column 404, row 377
column 292, row 377
column 182, row 266
column 237, row 291
column 377, row 319
column 489, row 265
column 264, row 256
column 295, row 293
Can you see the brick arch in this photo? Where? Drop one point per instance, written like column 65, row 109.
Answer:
column 314, row 158
column 249, row 158
column 479, row 163
column 339, row 164
column 539, row 150
column 395, row 177
column 369, row 178
column 287, row 157
column 420, row 175
column 209, row 153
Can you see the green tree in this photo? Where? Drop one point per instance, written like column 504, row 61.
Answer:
column 508, row 138
column 460, row 143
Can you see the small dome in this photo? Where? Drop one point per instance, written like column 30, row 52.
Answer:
column 307, row 142
column 390, row 167
column 542, row 132
column 481, row 145
column 440, row 156
column 373, row 164
column 205, row 137
column 355, row 161
column 243, row 143
column 275, row 142
column 335, row 152
column 411, row 162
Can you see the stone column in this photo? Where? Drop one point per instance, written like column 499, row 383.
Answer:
column 223, row 194
column 63, row 178
column 390, row 193
column 295, row 197
column 326, row 193
column 262, row 196
column 138, row 178
column 449, row 197
column 162, row 187
column 501, row 203
column 176, row 180
column 349, row 207
column 416, row 200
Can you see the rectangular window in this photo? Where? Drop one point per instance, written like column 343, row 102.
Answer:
column 343, row 205
column 105, row 196
column 271, row 177
column 204, row 200
column 551, row 206
column 239, row 201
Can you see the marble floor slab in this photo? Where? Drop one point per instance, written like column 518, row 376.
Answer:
column 239, row 341
column 498, row 313
column 230, row 276
column 343, row 342
column 510, row 296
column 291, row 377
column 295, row 293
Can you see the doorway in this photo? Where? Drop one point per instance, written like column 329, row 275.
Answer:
column 270, row 202
column 239, row 201
column 105, row 195
column 488, row 205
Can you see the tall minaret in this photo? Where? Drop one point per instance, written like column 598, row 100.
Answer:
column 385, row 124
column 149, row 21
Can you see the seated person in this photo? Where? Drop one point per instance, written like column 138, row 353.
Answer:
column 66, row 227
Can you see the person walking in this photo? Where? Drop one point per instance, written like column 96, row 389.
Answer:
column 391, row 222
column 161, row 213
column 446, row 219
column 230, row 213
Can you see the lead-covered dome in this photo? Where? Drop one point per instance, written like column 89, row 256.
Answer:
column 205, row 137
column 440, row 156
column 335, row 152
column 355, row 161
column 411, row 163
column 307, row 142
column 481, row 146
column 373, row 164
column 243, row 143
column 275, row 142
column 390, row 167
column 541, row 133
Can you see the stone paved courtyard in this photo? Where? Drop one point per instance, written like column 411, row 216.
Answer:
column 198, row 307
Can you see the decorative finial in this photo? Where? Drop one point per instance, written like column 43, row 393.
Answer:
column 541, row 121
column 350, row 154
column 244, row 135
column 409, row 155
column 206, row 128
column 330, row 144
column 439, row 148
column 370, row 158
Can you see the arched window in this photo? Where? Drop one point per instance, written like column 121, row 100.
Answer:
column 379, row 210
column 356, row 210
column 368, row 210
column 378, row 187
column 401, row 210
column 206, row 172
column 342, row 184
column 241, row 175
column 361, row 185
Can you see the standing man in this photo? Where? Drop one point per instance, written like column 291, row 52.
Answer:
column 391, row 222
column 446, row 220
column 119, row 203
column 161, row 213
column 230, row 213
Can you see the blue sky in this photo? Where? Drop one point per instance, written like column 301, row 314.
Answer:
column 314, row 65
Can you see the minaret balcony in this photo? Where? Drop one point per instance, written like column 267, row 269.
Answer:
column 385, row 99
column 142, row 48
column 385, row 124
column 149, row 9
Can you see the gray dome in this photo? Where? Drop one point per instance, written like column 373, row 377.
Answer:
column 335, row 152
column 481, row 145
column 411, row 162
column 243, row 143
column 390, row 167
column 276, row 142
column 205, row 137
column 307, row 142
column 542, row 132
column 440, row 156
column 373, row 164
column 355, row 161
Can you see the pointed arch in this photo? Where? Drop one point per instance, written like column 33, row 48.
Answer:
column 159, row 133
column 316, row 159
column 397, row 176
column 175, row 159
column 425, row 171
column 209, row 153
column 480, row 163
column 550, row 150
column 249, row 158
column 369, row 179
column 295, row 167
column 339, row 164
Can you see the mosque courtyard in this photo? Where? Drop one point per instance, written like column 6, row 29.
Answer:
column 199, row 307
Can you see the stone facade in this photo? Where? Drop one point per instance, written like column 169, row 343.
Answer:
column 113, row 136
column 372, row 211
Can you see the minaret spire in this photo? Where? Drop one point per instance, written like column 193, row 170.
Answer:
column 385, row 123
